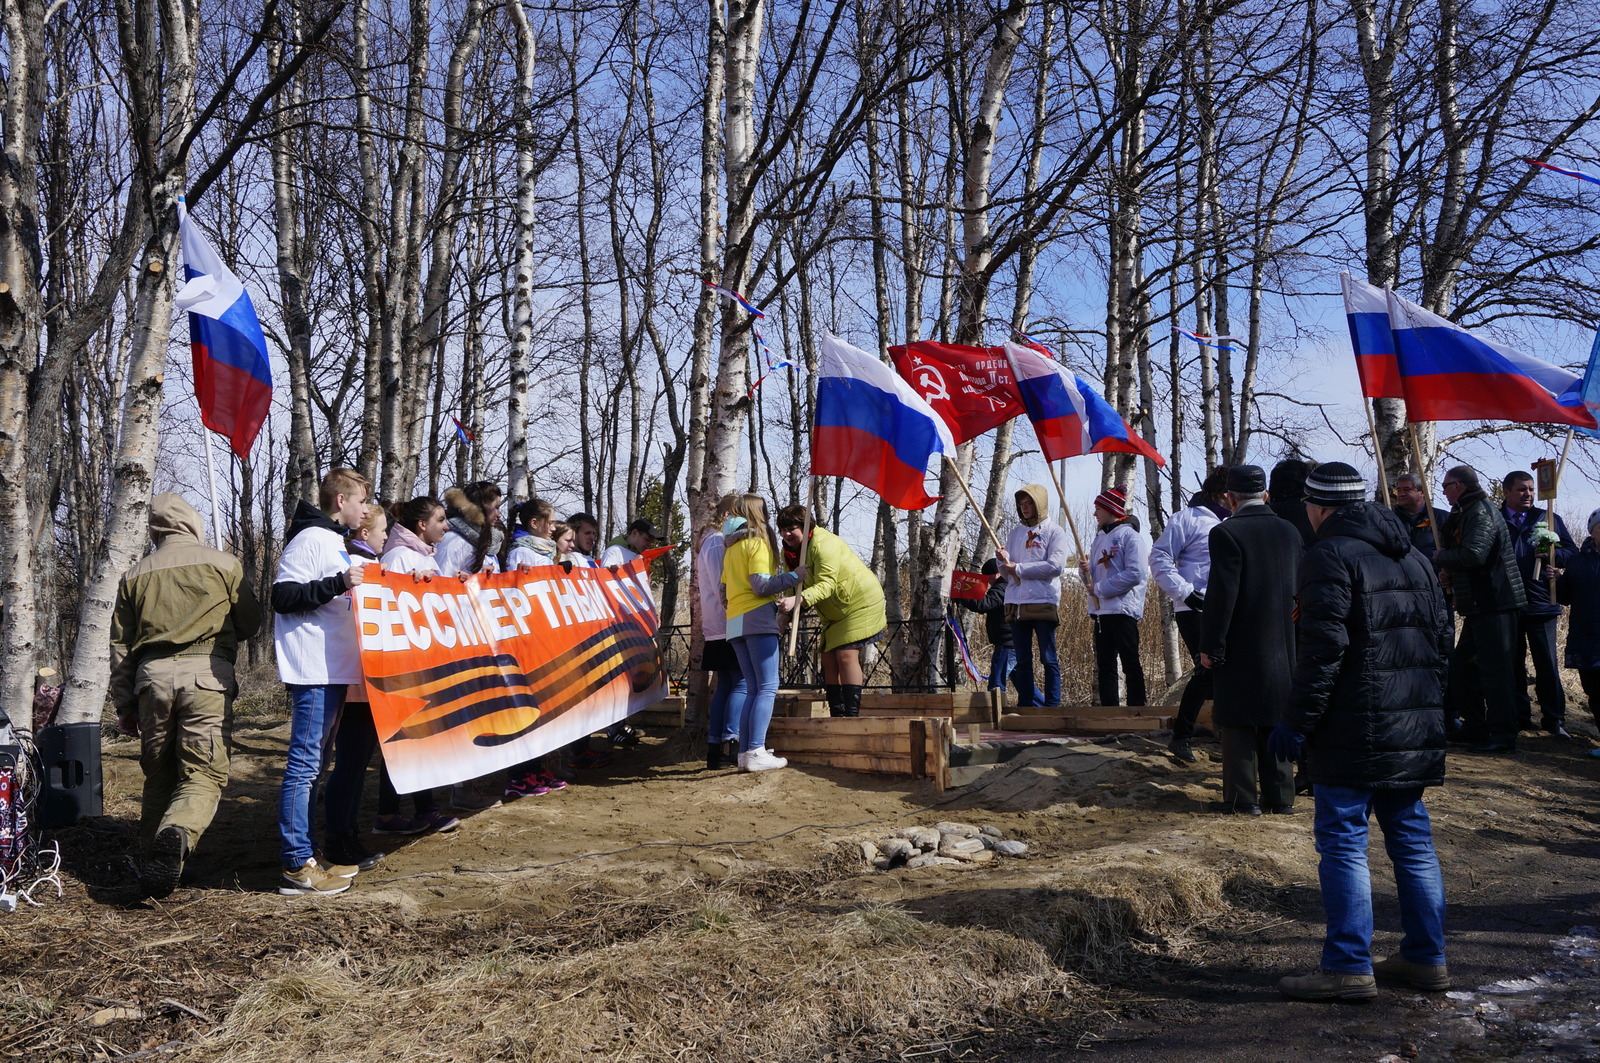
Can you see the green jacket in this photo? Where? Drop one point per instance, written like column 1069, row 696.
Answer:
column 183, row 599
column 842, row 590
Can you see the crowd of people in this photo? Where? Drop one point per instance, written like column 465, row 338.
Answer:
column 182, row 611
column 1322, row 627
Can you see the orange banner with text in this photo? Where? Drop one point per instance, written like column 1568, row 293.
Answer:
column 470, row 675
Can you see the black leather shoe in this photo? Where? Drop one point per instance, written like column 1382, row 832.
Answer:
column 1180, row 749
column 1556, row 728
column 1226, row 809
column 1281, row 810
column 1487, row 748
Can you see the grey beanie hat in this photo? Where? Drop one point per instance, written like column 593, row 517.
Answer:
column 1333, row 484
column 1594, row 518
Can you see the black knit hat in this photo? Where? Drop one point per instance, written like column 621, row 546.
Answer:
column 1333, row 484
column 1247, row 479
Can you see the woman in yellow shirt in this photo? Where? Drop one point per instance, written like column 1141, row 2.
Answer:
column 751, row 587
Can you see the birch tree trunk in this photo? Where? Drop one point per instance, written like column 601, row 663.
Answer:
column 163, row 76
column 939, row 556
column 518, row 402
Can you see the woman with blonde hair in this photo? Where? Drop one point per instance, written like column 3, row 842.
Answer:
column 716, row 655
column 752, row 584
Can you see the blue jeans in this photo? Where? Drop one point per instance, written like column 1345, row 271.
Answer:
column 1022, row 636
column 758, row 660
column 1000, row 667
column 1341, row 835
column 727, row 706
column 314, row 715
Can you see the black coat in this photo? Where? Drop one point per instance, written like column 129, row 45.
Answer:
column 993, row 607
column 1478, row 557
column 1579, row 588
column 1420, row 525
column 1248, row 623
column 1369, row 669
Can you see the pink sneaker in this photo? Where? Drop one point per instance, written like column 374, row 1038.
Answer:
column 549, row 781
column 527, row 786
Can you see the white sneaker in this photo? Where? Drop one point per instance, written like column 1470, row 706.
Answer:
column 763, row 760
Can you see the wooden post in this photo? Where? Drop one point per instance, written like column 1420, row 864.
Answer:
column 1550, row 511
column 919, row 749
column 1427, row 491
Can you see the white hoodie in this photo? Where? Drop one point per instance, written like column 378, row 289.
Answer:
column 319, row 647
column 1040, row 554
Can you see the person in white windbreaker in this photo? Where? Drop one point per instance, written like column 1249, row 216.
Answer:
column 1034, row 558
column 318, row 659
column 1180, row 564
column 1116, row 573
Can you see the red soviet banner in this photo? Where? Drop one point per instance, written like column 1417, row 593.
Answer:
column 470, row 675
column 969, row 585
column 973, row 388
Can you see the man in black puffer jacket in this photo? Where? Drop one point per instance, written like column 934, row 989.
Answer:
column 1367, row 702
column 1480, row 571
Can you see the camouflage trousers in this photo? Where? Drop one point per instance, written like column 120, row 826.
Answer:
column 185, row 723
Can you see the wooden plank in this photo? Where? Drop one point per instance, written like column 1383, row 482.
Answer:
column 862, row 726
column 880, row 765
column 896, row 744
column 1076, row 724
column 941, row 753
column 974, row 734
column 918, row 737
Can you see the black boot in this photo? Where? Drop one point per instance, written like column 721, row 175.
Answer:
column 850, row 701
column 713, row 756
column 835, row 695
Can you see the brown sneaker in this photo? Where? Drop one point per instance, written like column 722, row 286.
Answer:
column 1416, row 975
column 1329, row 985
column 314, row 880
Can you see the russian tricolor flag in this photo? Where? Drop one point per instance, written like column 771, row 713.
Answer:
column 871, row 427
column 1366, row 310
column 232, row 378
column 1069, row 416
column 1451, row 375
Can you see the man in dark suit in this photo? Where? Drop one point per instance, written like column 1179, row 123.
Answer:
column 1536, row 623
column 1247, row 640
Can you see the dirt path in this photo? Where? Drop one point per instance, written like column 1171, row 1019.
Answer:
column 657, row 910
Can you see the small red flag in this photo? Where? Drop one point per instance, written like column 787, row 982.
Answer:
column 970, row 585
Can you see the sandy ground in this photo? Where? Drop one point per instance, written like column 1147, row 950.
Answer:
column 1138, row 926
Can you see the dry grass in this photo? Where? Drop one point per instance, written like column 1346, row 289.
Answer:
column 726, row 971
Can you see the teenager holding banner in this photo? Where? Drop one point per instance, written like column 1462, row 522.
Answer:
column 751, row 585
column 847, row 596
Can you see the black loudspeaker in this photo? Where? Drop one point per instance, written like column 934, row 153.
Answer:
column 69, row 756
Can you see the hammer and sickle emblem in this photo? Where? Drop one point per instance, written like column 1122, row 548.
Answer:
column 931, row 383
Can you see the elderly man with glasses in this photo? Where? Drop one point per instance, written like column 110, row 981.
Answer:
column 1478, row 567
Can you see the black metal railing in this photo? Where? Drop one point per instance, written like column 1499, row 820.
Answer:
column 891, row 663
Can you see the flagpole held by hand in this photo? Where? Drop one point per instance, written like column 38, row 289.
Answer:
column 1072, row 526
column 1427, row 492
column 955, row 470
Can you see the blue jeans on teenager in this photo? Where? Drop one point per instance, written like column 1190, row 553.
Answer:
column 727, row 706
column 1001, row 666
column 1023, row 633
column 314, row 715
column 758, row 660
column 1341, row 836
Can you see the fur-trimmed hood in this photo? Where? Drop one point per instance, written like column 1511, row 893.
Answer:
column 457, row 504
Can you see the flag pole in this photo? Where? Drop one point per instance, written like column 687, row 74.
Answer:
column 1422, row 474
column 960, row 480
column 805, row 551
column 1550, row 513
column 1377, row 452
column 211, row 475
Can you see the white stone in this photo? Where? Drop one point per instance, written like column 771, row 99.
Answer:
column 991, row 831
column 924, row 838
column 1010, row 848
column 869, row 852
column 960, row 848
column 929, row 860
column 964, row 830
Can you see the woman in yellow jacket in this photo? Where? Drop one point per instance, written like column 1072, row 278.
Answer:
column 847, row 596
column 751, row 586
